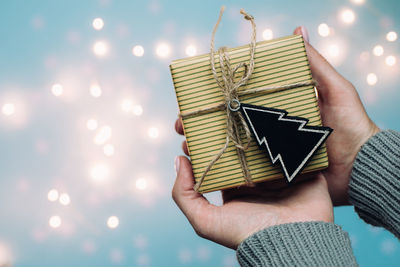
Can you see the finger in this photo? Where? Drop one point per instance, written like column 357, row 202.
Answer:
column 195, row 207
column 179, row 126
column 185, row 148
column 328, row 79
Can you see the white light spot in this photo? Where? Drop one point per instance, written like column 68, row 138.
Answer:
column 103, row 135
column 358, row 2
column 388, row 246
column 95, row 90
column 108, row 150
column 5, row 256
column 141, row 183
column 52, row 195
column 163, row 50
column 91, row 124
column 153, row 132
column 127, row 105
column 191, row 50
column 372, row 79
column 323, row 30
column 57, row 89
column 390, row 61
column 267, row 34
column 378, row 50
column 137, row 110
column 333, row 50
column 8, row 109
column 100, row 48
column 100, row 172
column 98, row 24
column 113, row 222
column 391, row 36
column 65, row 199
column 138, row 50
column 347, row 16
column 55, row 221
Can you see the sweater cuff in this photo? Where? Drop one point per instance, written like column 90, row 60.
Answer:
column 374, row 187
column 297, row 244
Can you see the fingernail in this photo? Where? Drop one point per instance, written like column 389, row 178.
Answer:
column 176, row 165
column 304, row 32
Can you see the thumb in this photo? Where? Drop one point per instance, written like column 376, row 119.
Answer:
column 195, row 207
column 328, row 79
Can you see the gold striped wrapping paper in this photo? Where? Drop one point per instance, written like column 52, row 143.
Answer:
column 277, row 62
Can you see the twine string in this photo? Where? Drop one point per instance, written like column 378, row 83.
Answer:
column 229, row 87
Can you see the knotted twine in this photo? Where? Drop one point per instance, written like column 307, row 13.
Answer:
column 229, row 88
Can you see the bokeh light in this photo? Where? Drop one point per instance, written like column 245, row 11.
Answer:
column 5, row 255
column 52, row 195
column 95, row 90
column 100, row 172
column 98, row 24
column 391, row 36
column 113, row 222
column 100, row 48
column 138, row 50
column 191, row 50
column 323, row 30
column 153, row 132
column 57, row 89
column 55, row 221
column 137, row 110
column 333, row 50
column 141, row 183
column 108, row 150
column 163, row 50
column 91, row 124
column 372, row 79
column 347, row 16
column 65, row 199
column 267, row 34
column 378, row 50
column 358, row 2
column 390, row 61
column 103, row 135
column 8, row 109
column 127, row 105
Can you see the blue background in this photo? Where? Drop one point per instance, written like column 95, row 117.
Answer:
column 45, row 144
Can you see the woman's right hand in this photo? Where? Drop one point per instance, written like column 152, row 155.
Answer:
column 342, row 110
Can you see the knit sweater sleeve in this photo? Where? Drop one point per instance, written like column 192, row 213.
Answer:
column 374, row 187
column 297, row 244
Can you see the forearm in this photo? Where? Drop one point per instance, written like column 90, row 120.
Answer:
column 297, row 244
column 374, row 188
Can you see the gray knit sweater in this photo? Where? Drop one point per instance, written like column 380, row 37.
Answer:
column 374, row 192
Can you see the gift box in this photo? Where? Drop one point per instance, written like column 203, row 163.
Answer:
column 276, row 62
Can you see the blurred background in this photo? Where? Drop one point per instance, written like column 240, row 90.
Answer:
column 87, row 109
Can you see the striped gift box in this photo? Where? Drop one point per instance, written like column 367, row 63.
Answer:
column 277, row 62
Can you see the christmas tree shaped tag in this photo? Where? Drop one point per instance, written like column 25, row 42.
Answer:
column 287, row 139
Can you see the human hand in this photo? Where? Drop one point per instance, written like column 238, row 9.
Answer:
column 247, row 210
column 342, row 110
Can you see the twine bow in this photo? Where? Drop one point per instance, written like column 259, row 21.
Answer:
column 229, row 88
